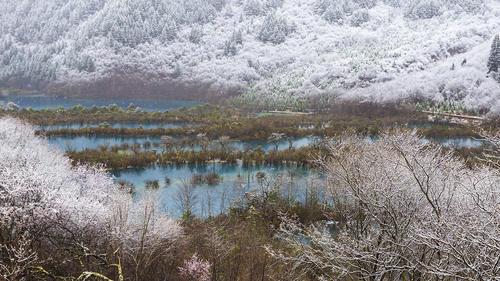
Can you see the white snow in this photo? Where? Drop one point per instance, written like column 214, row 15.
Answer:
column 405, row 48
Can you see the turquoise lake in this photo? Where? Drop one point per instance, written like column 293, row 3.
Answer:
column 132, row 125
column 38, row 102
column 237, row 181
column 79, row 143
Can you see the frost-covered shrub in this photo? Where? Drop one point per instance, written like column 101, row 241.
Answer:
column 42, row 194
column 334, row 14
column 40, row 187
column 393, row 3
column 428, row 216
column 195, row 11
column 274, row 29
column 196, row 34
column 177, row 71
column 424, row 9
column 366, row 4
column 338, row 11
column 273, row 4
column 253, row 8
column 470, row 6
column 195, row 269
column 359, row 17
column 142, row 227
column 334, row 11
column 230, row 48
column 231, row 45
column 218, row 4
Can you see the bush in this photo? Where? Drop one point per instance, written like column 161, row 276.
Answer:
column 212, row 179
column 152, row 184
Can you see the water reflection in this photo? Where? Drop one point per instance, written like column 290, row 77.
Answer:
column 237, row 180
column 79, row 143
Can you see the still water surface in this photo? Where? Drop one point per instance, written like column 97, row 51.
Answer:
column 38, row 102
column 79, row 143
column 132, row 125
column 237, row 180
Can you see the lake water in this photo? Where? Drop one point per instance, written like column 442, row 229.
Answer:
column 38, row 102
column 213, row 200
column 152, row 125
column 460, row 142
column 79, row 143
column 237, row 179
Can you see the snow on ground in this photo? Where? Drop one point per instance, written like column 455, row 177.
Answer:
column 378, row 50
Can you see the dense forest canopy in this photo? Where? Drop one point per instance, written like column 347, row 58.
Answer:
column 377, row 50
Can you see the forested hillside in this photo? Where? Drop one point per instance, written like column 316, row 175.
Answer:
column 377, row 50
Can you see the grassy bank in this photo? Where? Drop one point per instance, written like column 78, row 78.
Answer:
column 119, row 159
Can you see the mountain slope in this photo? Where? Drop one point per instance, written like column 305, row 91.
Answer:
column 370, row 49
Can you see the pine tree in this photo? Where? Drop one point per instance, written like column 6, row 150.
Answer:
column 237, row 37
column 274, row 29
column 195, row 34
column 177, row 71
column 230, row 48
column 494, row 59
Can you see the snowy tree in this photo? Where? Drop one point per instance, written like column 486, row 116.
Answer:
column 366, row 4
column 491, row 155
column 494, row 58
column 40, row 187
column 52, row 43
column 169, row 30
column 359, row 17
column 141, row 232
column 177, row 71
column 273, row 4
column 231, row 45
column 275, row 139
column 253, row 7
column 230, row 48
column 274, row 29
column 195, row 269
column 404, row 210
column 196, row 34
column 44, row 196
column 424, row 9
column 333, row 13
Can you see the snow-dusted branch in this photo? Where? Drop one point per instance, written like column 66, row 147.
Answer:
column 406, row 210
column 58, row 205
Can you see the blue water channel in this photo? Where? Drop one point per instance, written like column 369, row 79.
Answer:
column 38, row 102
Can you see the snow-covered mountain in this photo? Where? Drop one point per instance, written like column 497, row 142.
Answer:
column 379, row 50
